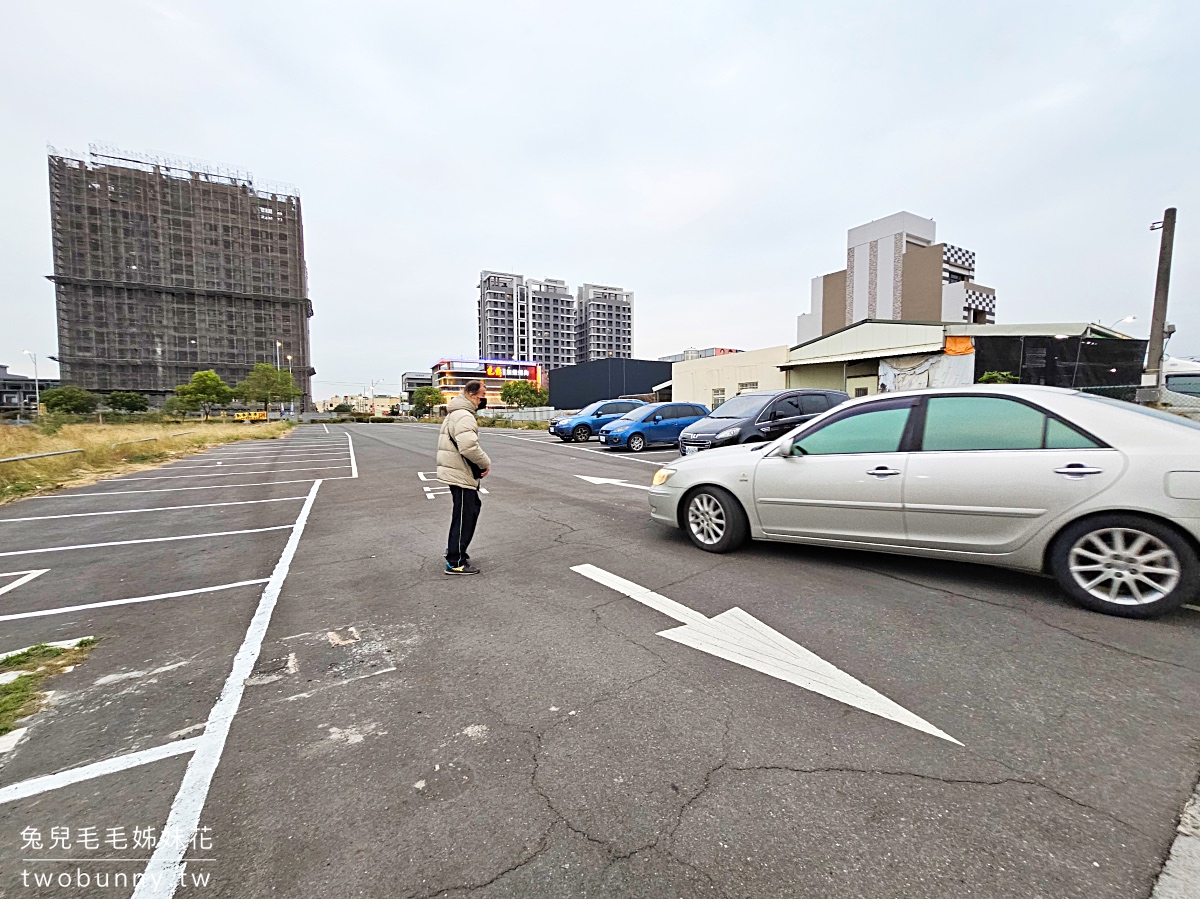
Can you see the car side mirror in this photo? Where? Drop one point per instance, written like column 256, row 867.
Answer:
column 597, row 414
column 658, row 418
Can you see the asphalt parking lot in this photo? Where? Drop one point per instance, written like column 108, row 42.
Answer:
column 281, row 664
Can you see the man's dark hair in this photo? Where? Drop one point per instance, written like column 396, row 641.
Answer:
column 472, row 387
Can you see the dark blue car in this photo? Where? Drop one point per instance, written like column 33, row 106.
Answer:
column 587, row 422
column 653, row 423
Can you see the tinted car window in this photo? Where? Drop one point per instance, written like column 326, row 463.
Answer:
column 873, row 431
column 785, row 407
column 610, row 409
column 696, row 410
column 740, row 407
column 1063, row 436
column 668, row 412
column 627, row 407
column 1189, row 384
column 812, row 403
column 981, row 423
column 994, row 423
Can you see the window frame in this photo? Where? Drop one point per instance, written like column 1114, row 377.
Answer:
column 917, row 422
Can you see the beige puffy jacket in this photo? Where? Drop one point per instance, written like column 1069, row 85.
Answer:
column 460, row 423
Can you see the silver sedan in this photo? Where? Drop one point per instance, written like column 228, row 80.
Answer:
column 1102, row 495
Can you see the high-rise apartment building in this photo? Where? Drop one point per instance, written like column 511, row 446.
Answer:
column 605, row 324
column 896, row 270
column 165, row 267
column 541, row 321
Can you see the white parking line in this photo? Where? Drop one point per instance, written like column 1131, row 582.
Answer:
column 244, row 502
column 177, row 489
column 29, row 575
column 583, row 449
column 326, row 427
column 63, row 610
column 59, row 549
column 324, row 458
column 174, row 477
column 36, row 785
column 353, row 460
column 276, row 454
column 1193, row 608
column 163, row 871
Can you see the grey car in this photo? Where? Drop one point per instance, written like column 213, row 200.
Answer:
column 1100, row 494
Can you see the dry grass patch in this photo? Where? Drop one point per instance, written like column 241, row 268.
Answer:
column 100, row 459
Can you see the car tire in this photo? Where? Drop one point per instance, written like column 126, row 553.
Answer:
column 636, row 443
column 1126, row 565
column 714, row 520
column 581, row 434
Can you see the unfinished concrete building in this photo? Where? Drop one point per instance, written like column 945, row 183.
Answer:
column 165, row 267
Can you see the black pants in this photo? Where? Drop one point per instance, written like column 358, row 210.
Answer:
column 462, row 524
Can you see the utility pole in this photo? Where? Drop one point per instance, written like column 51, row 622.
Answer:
column 1152, row 379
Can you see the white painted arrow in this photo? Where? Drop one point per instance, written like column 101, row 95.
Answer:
column 616, row 481
column 23, row 577
column 739, row 637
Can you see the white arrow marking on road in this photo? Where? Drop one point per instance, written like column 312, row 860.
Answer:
column 616, row 481
column 28, row 576
column 739, row 637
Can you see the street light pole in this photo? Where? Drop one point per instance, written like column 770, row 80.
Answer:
column 37, row 386
column 292, row 400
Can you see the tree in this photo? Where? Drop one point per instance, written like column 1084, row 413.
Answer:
column 523, row 394
column 179, row 405
column 998, row 377
column 343, row 409
column 205, row 390
column 425, row 398
column 266, row 384
column 72, row 400
column 127, row 401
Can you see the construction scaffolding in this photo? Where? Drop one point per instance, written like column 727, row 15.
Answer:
column 165, row 266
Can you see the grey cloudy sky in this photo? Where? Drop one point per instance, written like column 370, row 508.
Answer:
column 707, row 155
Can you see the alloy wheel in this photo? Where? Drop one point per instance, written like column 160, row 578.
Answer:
column 582, row 434
column 637, row 443
column 706, row 519
column 1125, row 566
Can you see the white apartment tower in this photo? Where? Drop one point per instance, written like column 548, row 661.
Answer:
column 541, row 321
column 896, row 270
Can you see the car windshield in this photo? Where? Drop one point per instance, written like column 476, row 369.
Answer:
column 588, row 410
column 633, row 414
column 1142, row 410
column 740, row 407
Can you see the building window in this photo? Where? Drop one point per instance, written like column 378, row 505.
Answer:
column 718, row 396
column 747, row 385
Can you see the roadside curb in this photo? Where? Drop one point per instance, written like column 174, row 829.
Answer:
column 1180, row 877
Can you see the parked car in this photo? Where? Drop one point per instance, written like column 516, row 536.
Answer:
column 756, row 417
column 585, row 424
column 652, row 423
column 1101, row 494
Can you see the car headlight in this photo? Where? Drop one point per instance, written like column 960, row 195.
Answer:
column 662, row 476
column 728, row 433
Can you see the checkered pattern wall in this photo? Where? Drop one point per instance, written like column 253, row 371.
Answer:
column 978, row 300
column 953, row 255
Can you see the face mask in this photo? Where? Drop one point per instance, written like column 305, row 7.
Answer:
column 482, row 403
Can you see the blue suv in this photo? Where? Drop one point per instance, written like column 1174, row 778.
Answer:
column 587, row 422
column 652, row 423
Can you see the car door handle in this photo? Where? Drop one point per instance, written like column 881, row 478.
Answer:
column 882, row 471
column 1076, row 470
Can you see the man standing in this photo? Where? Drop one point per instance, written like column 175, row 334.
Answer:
column 462, row 463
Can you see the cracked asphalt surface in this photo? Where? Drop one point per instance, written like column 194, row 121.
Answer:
column 526, row 733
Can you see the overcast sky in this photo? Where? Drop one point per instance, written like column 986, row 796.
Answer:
column 709, row 156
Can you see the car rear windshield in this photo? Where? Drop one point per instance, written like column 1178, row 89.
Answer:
column 1142, row 410
column 740, row 407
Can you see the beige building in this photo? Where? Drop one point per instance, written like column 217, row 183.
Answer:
column 896, row 270
column 713, row 379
